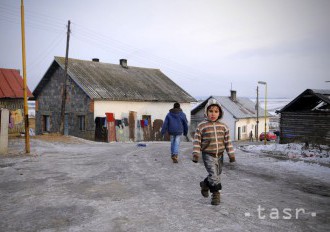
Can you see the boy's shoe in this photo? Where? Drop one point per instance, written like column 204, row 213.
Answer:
column 215, row 198
column 175, row 159
column 204, row 189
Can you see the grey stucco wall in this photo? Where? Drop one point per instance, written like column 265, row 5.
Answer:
column 49, row 102
column 80, row 104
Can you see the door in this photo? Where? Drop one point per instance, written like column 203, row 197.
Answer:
column 66, row 124
column 239, row 133
column 131, row 125
column 46, row 123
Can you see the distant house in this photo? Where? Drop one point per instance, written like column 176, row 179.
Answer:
column 106, row 102
column 12, row 98
column 307, row 118
column 240, row 115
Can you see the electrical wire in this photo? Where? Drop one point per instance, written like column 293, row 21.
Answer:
column 39, row 21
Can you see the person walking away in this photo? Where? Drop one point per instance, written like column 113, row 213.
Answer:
column 211, row 139
column 175, row 124
column 251, row 136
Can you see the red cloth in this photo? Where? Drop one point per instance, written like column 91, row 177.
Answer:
column 110, row 117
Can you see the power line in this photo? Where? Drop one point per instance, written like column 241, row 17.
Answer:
column 39, row 21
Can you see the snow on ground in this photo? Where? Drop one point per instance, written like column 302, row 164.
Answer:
column 295, row 151
column 70, row 184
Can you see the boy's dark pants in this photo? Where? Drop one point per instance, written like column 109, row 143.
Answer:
column 213, row 166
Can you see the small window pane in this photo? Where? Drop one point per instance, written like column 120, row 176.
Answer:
column 82, row 124
column 46, row 123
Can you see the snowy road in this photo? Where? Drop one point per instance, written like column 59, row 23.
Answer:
column 87, row 186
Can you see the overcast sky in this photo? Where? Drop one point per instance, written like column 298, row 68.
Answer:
column 205, row 46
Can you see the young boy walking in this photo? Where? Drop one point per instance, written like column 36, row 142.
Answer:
column 212, row 138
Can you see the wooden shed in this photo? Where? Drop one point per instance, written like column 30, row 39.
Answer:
column 12, row 98
column 307, row 118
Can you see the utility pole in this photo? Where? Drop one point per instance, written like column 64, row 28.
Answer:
column 26, row 112
column 64, row 96
column 257, row 106
column 265, row 83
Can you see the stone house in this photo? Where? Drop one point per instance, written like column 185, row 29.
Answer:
column 106, row 102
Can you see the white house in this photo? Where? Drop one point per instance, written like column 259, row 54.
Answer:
column 240, row 115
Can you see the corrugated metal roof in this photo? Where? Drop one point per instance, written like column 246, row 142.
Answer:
column 308, row 100
column 104, row 81
column 243, row 107
column 11, row 84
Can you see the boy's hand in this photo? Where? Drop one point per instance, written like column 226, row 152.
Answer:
column 195, row 158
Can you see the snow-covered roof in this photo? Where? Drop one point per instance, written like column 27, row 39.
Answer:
column 243, row 107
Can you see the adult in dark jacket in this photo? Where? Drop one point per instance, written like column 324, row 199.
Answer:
column 175, row 124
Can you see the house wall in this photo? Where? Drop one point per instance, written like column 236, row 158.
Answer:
column 4, row 115
column 155, row 111
column 230, row 121
column 158, row 110
column 227, row 118
column 233, row 124
column 250, row 124
column 79, row 104
column 49, row 103
column 195, row 120
column 16, row 114
column 311, row 127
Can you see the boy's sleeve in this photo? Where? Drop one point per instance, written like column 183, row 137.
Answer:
column 164, row 127
column 197, row 143
column 229, row 146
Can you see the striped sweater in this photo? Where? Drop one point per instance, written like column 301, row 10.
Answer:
column 212, row 138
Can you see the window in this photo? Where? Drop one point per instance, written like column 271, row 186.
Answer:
column 82, row 123
column 46, row 125
column 244, row 129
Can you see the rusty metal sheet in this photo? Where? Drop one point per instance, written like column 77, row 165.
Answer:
column 11, row 84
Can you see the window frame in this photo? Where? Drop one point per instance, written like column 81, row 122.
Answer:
column 82, row 122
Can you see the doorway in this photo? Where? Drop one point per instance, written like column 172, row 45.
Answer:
column 239, row 133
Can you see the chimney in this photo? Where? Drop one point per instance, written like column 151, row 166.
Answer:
column 233, row 95
column 123, row 63
column 96, row 59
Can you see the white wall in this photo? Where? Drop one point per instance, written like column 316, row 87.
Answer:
column 157, row 110
column 250, row 124
column 234, row 123
column 4, row 131
column 229, row 120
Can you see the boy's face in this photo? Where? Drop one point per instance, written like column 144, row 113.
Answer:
column 213, row 113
